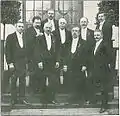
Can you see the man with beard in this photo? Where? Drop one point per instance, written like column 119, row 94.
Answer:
column 31, row 35
column 16, row 59
column 46, row 59
column 51, row 19
column 87, row 35
column 63, row 38
column 101, row 70
column 77, row 63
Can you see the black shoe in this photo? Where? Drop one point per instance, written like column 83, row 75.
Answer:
column 25, row 102
column 102, row 110
column 53, row 102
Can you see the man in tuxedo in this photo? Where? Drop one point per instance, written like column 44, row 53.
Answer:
column 106, row 28
column 46, row 59
column 101, row 68
column 16, row 60
column 31, row 35
column 77, row 63
column 87, row 35
column 63, row 38
column 51, row 19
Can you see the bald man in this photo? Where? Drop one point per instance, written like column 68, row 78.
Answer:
column 87, row 35
column 46, row 62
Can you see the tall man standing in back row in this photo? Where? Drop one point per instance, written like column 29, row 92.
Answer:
column 51, row 19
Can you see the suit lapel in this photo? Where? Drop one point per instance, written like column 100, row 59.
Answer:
column 17, row 42
column 98, row 49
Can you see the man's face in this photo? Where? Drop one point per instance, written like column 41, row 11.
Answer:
column 62, row 24
column 20, row 27
column 37, row 23
column 97, row 36
column 101, row 17
column 50, row 14
column 75, row 32
column 48, row 28
column 83, row 22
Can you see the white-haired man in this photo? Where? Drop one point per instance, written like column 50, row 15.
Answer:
column 45, row 59
column 63, row 38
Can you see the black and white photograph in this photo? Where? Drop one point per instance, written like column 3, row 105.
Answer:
column 59, row 57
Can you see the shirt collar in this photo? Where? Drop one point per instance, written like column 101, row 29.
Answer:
column 18, row 33
column 101, row 23
column 47, row 34
column 99, row 41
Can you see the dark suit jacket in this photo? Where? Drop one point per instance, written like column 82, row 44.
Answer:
column 46, row 20
column 89, row 43
column 43, row 55
column 13, row 50
column 77, row 60
column 100, row 61
column 107, row 32
column 30, row 36
column 62, row 49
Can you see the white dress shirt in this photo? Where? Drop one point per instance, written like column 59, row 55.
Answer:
column 20, row 39
column 101, row 25
column 97, row 45
column 84, row 34
column 62, row 35
column 53, row 25
column 48, row 41
column 74, row 44
column 37, row 31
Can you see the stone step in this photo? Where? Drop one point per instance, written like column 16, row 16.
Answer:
column 35, row 98
column 60, row 112
column 6, row 107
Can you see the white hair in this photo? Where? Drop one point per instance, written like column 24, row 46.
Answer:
column 48, row 24
column 63, row 20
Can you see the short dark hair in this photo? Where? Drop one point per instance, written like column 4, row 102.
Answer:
column 36, row 17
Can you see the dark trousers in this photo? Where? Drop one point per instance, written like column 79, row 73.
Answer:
column 50, row 90
column 19, row 72
column 78, row 84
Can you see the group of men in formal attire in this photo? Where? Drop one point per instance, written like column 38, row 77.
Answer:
column 77, row 59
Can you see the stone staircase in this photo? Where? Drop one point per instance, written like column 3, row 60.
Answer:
column 63, row 100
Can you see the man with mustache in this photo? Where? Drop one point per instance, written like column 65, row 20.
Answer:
column 101, row 70
column 31, row 36
column 87, row 35
column 51, row 19
column 76, row 64
column 16, row 59
column 46, row 60
column 106, row 27
column 63, row 38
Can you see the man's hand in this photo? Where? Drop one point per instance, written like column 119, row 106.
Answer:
column 57, row 65
column 83, row 68
column 11, row 66
column 65, row 68
column 40, row 65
